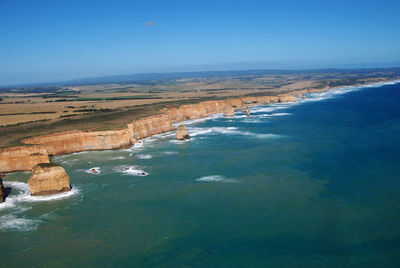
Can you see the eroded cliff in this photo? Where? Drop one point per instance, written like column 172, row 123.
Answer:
column 78, row 141
column 149, row 126
column 22, row 158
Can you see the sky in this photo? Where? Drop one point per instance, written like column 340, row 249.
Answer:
column 56, row 40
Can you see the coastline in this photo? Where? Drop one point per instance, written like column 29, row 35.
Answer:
column 39, row 149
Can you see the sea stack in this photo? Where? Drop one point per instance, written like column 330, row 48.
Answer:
column 48, row 179
column 229, row 111
column 1, row 188
column 248, row 113
column 182, row 133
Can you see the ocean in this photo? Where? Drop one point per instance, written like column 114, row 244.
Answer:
column 309, row 184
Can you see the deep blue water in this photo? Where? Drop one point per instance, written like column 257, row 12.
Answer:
column 311, row 184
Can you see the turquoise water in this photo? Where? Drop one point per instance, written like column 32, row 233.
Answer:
column 312, row 184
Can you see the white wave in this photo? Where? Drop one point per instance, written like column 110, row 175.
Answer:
column 193, row 132
column 214, row 178
column 12, row 222
column 22, row 190
column 251, row 120
column 318, row 96
column 241, row 116
column 19, row 201
column 170, row 153
column 117, row 158
column 272, row 115
column 69, row 162
column 144, row 156
column 271, row 107
column 93, row 170
column 52, row 197
column 24, row 195
column 181, row 141
column 131, row 170
column 195, row 121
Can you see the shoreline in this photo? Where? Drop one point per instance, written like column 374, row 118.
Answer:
column 40, row 149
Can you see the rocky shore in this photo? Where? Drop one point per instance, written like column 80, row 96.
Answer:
column 49, row 178
column 40, row 149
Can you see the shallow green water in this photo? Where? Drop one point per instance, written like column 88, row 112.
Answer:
column 315, row 184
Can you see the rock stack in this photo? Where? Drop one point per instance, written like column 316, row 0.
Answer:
column 48, row 179
column 1, row 188
column 182, row 133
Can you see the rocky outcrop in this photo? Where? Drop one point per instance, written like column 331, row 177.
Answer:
column 2, row 191
column 182, row 133
column 48, row 179
column 22, row 158
column 78, row 141
column 149, row 126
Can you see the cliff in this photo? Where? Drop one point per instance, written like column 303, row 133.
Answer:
column 48, row 179
column 22, row 158
column 182, row 133
column 229, row 111
column 25, row 157
column 78, row 141
column 287, row 98
column 149, row 126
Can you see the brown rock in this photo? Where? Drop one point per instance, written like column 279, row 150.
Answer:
column 248, row 113
column 287, row 98
column 22, row 158
column 149, row 126
column 182, row 133
column 229, row 111
column 48, row 179
column 1, row 191
column 78, row 141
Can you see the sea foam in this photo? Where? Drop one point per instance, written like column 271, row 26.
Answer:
column 144, row 156
column 228, row 131
column 93, row 170
column 131, row 170
column 21, row 200
column 214, row 178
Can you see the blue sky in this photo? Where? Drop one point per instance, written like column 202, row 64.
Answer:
column 59, row 40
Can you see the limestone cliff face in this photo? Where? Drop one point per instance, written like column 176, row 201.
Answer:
column 287, row 98
column 22, row 158
column 48, row 179
column 78, row 141
column 149, row 126
column 229, row 111
column 202, row 109
column 182, row 133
